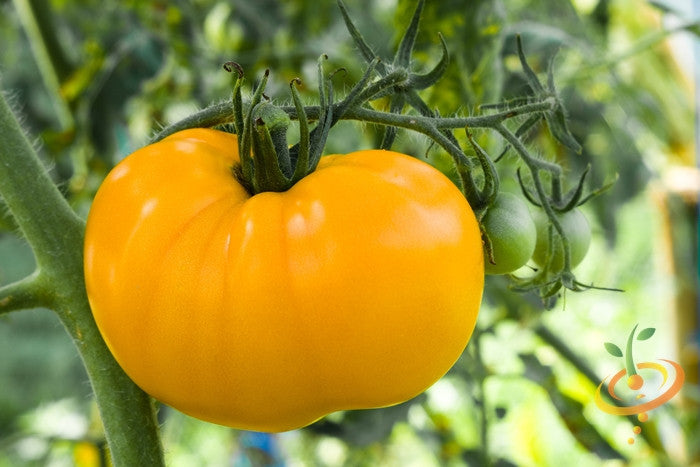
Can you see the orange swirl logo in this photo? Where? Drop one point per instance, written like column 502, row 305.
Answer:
column 642, row 391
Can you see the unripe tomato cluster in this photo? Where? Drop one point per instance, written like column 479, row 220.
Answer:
column 517, row 236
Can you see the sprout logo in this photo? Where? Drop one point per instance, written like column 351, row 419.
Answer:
column 642, row 393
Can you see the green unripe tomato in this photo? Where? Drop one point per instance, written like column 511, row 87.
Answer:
column 577, row 230
column 512, row 233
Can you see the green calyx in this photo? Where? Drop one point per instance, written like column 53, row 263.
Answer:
column 268, row 163
column 272, row 166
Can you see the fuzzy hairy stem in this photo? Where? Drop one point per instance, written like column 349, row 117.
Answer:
column 55, row 234
column 23, row 294
column 222, row 113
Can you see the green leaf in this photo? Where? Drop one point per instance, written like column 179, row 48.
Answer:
column 613, row 349
column 645, row 334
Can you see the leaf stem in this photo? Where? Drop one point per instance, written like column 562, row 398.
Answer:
column 214, row 115
column 23, row 294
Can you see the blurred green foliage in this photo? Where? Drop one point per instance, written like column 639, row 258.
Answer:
column 94, row 80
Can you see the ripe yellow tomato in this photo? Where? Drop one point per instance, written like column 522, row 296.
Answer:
column 358, row 287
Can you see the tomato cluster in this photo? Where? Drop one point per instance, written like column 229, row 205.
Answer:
column 516, row 236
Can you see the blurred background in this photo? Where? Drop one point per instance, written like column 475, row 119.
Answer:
column 95, row 79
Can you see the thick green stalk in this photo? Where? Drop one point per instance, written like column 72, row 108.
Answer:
column 55, row 233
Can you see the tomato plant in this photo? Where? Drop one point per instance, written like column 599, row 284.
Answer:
column 577, row 230
column 511, row 233
column 267, row 293
column 358, row 287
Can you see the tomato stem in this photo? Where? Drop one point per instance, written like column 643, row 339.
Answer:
column 556, row 188
column 300, row 153
column 326, row 119
column 237, row 99
column 491, row 182
column 267, row 162
column 246, row 134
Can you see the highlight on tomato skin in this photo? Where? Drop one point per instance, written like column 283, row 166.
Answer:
column 359, row 287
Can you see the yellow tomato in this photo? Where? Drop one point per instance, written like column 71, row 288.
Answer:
column 358, row 287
